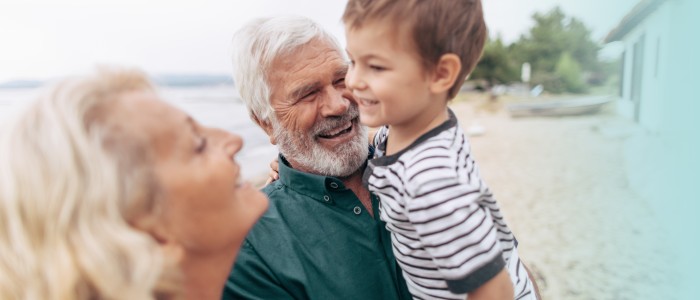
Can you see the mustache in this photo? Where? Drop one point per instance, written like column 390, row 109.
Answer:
column 332, row 123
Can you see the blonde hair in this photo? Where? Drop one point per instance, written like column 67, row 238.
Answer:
column 71, row 182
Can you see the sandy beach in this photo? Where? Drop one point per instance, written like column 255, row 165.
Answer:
column 565, row 192
column 562, row 185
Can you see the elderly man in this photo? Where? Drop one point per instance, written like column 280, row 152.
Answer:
column 321, row 237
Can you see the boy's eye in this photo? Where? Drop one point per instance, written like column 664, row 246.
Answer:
column 377, row 68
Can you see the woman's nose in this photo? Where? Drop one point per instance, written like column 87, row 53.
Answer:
column 232, row 143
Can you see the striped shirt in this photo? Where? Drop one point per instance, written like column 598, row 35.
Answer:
column 448, row 233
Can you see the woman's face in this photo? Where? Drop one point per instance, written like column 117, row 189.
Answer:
column 206, row 208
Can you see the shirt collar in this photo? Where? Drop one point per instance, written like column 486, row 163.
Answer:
column 391, row 159
column 318, row 187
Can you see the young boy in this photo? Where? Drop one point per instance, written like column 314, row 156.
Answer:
column 408, row 59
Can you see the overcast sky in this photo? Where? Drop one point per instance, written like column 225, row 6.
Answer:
column 41, row 39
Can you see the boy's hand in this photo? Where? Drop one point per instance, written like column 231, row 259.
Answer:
column 498, row 288
column 274, row 171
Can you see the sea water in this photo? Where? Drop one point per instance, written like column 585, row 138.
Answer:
column 214, row 106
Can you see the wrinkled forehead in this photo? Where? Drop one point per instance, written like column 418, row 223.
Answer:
column 317, row 61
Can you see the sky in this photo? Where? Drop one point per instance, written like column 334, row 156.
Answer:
column 43, row 39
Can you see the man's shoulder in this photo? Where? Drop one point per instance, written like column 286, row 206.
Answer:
column 279, row 194
column 273, row 187
column 273, row 226
column 276, row 194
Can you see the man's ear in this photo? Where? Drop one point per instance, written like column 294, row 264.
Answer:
column 267, row 127
column 445, row 73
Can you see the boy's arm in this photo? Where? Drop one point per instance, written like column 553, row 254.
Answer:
column 457, row 233
column 498, row 288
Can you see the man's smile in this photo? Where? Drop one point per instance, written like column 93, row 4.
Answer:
column 340, row 133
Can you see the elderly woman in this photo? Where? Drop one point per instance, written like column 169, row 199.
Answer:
column 107, row 192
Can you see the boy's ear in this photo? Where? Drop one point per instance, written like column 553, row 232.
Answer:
column 445, row 74
column 267, row 127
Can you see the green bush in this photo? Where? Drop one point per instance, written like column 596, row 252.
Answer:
column 569, row 71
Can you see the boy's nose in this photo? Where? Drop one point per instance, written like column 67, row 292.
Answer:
column 352, row 81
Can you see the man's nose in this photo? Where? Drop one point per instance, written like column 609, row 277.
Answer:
column 335, row 104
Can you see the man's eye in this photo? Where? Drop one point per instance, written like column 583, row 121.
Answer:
column 340, row 81
column 308, row 95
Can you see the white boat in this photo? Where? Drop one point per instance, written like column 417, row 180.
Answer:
column 568, row 107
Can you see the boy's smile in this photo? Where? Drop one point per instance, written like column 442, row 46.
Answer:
column 366, row 102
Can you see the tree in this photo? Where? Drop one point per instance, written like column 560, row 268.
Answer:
column 569, row 72
column 557, row 40
column 496, row 65
column 560, row 50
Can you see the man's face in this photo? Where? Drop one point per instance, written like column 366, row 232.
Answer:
column 316, row 123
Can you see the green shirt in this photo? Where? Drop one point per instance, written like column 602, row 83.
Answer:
column 316, row 241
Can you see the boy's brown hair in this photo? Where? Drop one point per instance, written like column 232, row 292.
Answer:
column 436, row 27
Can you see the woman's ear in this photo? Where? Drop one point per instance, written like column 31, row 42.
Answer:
column 172, row 250
column 445, row 73
column 267, row 127
column 151, row 225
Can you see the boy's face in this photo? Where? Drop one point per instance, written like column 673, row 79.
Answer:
column 386, row 76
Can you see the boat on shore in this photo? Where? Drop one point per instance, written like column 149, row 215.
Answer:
column 567, row 107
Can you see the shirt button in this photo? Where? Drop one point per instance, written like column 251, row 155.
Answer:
column 334, row 185
column 357, row 210
column 326, row 198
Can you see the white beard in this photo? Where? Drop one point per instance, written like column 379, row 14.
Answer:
column 302, row 148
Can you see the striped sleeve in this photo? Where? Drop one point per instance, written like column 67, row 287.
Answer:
column 380, row 135
column 455, row 230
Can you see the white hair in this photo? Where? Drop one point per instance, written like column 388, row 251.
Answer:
column 257, row 45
